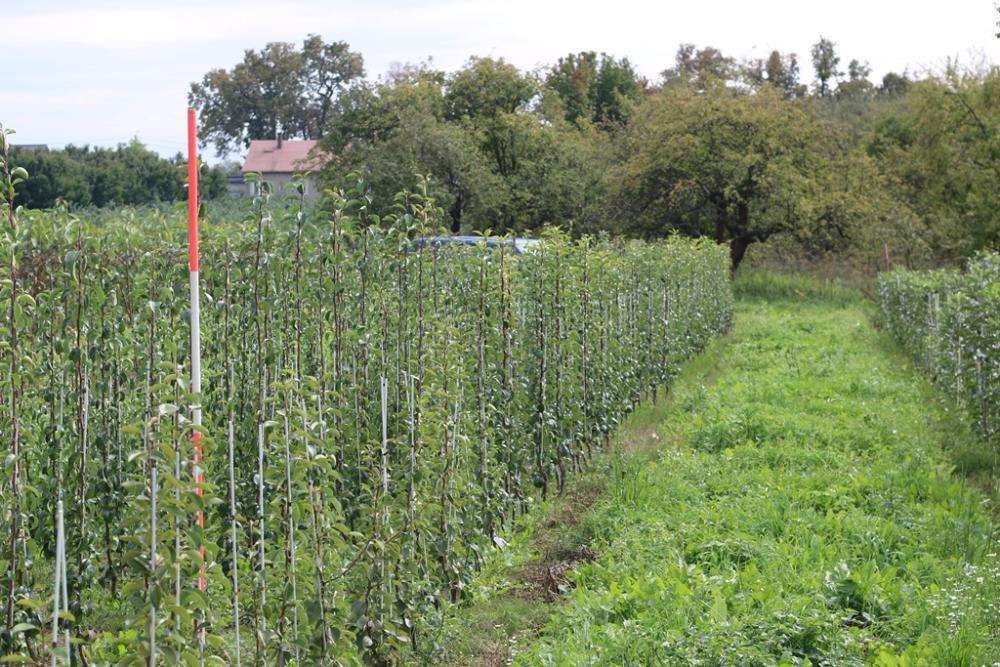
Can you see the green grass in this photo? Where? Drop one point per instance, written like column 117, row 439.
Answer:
column 500, row 611
column 797, row 286
column 804, row 504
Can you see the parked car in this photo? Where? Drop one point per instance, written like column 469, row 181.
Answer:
column 519, row 245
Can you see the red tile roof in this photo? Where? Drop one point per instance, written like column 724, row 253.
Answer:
column 265, row 156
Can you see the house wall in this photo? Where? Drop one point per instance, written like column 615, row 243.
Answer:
column 239, row 188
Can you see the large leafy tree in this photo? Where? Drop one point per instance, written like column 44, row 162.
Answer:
column 396, row 133
column 489, row 97
column 369, row 112
column 825, row 63
column 279, row 87
column 495, row 155
column 550, row 170
column 422, row 146
column 327, row 69
column 894, row 85
column 719, row 162
column 487, row 88
column 599, row 88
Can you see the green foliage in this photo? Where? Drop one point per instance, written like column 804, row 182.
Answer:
column 718, row 163
column 276, row 88
column 370, row 112
column 129, row 174
column 487, row 88
column 894, row 84
column 857, row 84
column 940, row 150
column 700, row 68
column 339, row 535
column 800, row 511
column 601, row 89
column 825, row 62
column 793, row 286
column 840, row 167
column 779, row 70
column 490, row 160
column 950, row 322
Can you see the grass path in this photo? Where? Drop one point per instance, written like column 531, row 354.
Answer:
column 798, row 507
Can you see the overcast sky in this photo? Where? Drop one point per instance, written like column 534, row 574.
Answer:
column 102, row 72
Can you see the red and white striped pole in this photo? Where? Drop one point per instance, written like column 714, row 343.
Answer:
column 199, row 475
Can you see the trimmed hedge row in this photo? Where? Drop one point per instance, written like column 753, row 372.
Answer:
column 949, row 321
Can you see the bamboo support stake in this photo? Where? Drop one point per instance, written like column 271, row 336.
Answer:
column 230, row 440
column 235, row 569
column 62, row 579
column 384, row 501
column 58, row 584
column 384, row 388
column 290, row 555
column 153, row 489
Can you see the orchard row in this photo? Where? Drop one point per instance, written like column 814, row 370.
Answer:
column 376, row 414
column 950, row 321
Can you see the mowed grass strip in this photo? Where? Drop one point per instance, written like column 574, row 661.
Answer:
column 519, row 588
column 800, row 510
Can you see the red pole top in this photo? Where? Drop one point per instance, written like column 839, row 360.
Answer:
column 192, row 192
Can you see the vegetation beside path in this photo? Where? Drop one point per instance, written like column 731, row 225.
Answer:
column 800, row 498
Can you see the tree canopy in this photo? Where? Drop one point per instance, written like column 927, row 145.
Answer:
column 738, row 150
column 496, row 154
column 598, row 88
column 718, row 163
column 279, row 87
column 779, row 70
column 940, row 149
column 825, row 62
column 86, row 176
column 700, row 68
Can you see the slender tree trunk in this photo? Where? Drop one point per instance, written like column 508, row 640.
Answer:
column 737, row 249
column 721, row 224
column 455, row 212
column 738, row 246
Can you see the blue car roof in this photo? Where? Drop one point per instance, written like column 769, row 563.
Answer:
column 519, row 244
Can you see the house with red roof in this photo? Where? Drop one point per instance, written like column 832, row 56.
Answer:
column 277, row 160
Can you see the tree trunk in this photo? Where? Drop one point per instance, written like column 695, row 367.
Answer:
column 456, row 214
column 741, row 240
column 737, row 249
column 720, row 225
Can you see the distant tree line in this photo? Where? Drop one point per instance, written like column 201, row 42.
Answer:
column 739, row 150
column 89, row 176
